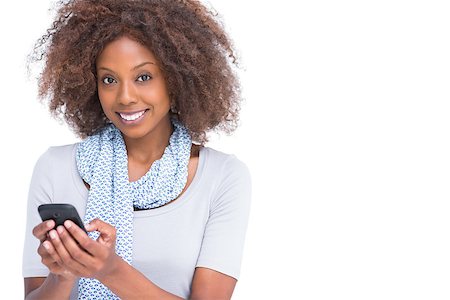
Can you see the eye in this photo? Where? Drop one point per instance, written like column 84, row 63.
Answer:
column 108, row 80
column 144, row 77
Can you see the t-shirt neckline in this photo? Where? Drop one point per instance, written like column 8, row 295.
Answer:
column 184, row 198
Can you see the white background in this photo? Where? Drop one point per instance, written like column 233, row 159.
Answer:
column 345, row 129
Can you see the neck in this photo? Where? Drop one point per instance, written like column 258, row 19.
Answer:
column 151, row 146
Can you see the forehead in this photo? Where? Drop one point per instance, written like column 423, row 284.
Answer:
column 125, row 51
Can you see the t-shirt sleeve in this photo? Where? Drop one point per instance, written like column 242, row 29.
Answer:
column 224, row 236
column 40, row 192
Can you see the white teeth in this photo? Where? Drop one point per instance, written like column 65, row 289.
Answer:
column 132, row 117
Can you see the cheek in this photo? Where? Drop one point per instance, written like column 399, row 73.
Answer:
column 105, row 100
column 157, row 95
column 163, row 93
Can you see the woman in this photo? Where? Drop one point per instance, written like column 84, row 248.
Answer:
column 142, row 82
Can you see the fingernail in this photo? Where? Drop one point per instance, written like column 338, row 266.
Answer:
column 52, row 234
column 50, row 224
column 60, row 229
column 46, row 246
column 68, row 224
column 87, row 226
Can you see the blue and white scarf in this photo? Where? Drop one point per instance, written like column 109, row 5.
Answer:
column 102, row 162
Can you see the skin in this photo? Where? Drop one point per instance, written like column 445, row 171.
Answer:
column 129, row 80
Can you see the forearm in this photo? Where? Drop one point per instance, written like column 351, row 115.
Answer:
column 54, row 287
column 128, row 283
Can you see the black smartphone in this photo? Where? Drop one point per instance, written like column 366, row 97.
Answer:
column 60, row 213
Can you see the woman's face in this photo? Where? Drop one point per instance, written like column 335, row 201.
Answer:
column 132, row 88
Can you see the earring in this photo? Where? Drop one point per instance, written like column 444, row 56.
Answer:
column 173, row 109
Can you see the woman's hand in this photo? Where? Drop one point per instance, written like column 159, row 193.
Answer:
column 83, row 256
column 47, row 252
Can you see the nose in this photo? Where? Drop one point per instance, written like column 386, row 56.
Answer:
column 127, row 94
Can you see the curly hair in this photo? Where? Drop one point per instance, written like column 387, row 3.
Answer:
column 195, row 53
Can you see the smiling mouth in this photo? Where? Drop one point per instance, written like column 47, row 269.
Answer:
column 131, row 117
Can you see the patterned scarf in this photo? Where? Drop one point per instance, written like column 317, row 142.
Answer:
column 102, row 162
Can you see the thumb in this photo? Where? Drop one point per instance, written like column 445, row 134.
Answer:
column 107, row 231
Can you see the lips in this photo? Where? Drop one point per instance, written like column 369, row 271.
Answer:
column 132, row 116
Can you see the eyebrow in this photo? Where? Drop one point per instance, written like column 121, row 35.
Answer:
column 134, row 68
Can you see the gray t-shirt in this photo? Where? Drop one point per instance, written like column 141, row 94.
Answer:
column 204, row 227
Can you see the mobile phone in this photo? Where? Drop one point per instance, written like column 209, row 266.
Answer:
column 59, row 213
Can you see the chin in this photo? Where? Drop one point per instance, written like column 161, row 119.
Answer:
column 135, row 133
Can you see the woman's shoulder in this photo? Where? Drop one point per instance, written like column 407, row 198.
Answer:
column 229, row 178
column 224, row 164
column 56, row 159
column 54, row 173
column 216, row 156
column 58, row 154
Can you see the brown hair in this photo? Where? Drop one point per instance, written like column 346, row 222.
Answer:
column 194, row 52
